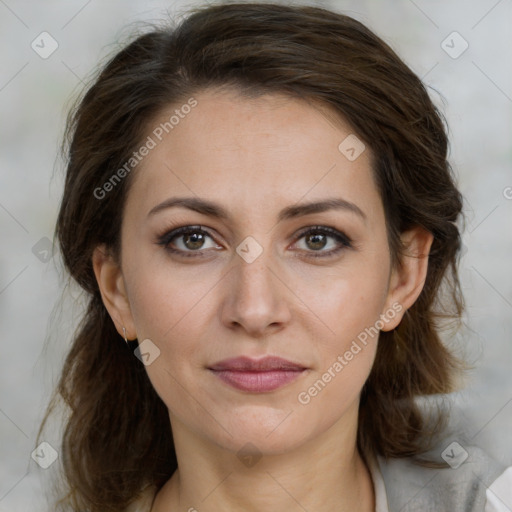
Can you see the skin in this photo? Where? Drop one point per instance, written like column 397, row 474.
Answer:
column 254, row 157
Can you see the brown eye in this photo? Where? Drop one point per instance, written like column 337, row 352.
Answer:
column 186, row 241
column 193, row 241
column 316, row 239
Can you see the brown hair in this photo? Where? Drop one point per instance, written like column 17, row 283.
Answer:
column 117, row 436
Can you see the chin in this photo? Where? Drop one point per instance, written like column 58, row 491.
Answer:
column 267, row 436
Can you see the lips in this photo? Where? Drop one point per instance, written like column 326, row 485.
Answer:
column 261, row 375
column 246, row 364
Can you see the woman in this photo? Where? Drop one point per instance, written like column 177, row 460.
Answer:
column 259, row 203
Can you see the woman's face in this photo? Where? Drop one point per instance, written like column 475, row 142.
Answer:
column 261, row 271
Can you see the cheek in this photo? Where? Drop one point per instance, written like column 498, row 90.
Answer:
column 166, row 300
column 334, row 391
column 351, row 308
column 347, row 300
column 349, row 304
column 168, row 308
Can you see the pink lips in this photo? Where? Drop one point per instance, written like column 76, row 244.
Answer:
column 259, row 375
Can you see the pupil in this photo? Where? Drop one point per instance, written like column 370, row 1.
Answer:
column 316, row 244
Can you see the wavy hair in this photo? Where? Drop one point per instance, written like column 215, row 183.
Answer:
column 117, row 438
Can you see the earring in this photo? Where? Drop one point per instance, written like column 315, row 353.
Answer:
column 124, row 334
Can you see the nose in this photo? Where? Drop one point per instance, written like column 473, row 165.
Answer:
column 256, row 298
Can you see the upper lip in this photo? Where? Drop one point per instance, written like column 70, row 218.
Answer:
column 247, row 364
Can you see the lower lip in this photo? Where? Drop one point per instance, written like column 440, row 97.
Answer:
column 258, row 382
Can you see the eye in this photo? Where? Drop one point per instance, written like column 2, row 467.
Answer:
column 189, row 240
column 317, row 238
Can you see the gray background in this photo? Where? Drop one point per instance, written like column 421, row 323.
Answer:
column 473, row 90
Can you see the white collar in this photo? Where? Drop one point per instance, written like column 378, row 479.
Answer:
column 381, row 498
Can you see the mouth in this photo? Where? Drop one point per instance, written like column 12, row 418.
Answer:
column 257, row 376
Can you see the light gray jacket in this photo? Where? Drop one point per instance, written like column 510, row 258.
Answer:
column 461, row 488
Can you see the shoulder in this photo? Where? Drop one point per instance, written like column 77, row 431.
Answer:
column 464, row 484
column 499, row 494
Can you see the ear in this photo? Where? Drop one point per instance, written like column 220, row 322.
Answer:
column 113, row 290
column 406, row 281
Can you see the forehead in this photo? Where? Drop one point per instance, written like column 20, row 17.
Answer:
column 251, row 152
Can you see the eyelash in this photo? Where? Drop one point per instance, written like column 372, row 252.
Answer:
column 344, row 241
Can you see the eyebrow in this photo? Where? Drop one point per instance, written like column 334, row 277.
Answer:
column 212, row 209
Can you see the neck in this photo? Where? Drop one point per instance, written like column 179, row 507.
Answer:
column 325, row 474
